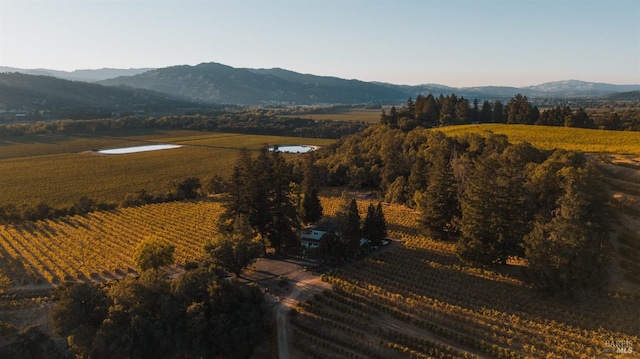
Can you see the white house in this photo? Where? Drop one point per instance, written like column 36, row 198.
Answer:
column 310, row 236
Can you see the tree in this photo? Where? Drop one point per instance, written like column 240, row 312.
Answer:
column 519, row 110
column 311, row 206
column 475, row 112
column 263, row 190
column 570, row 252
column 579, row 118
column 498, row 112
column 352, row 234
column 613, row 122
column 486, row 113
column 462, row 111
column 311, row 210
column 427, row 111
column 235, row 250
column 438, row 203
column 188, row 189
column 142, row 321
column 374, row 227
column 282, row 206
column 152, row 253
column 448, row 107
column 495, row 206
column 240, row 196
column 78, row 314
column 215, row 185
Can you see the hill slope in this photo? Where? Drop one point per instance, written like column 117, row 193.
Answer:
column 72, row 99
column 217, row 83
column 78, row 75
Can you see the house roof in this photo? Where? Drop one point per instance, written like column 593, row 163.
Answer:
column 324, row 226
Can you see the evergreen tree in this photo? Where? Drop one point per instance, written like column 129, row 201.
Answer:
column 348, row 225
column 498, row 112
column 352, row 234
column 486, row 113
column 519, row 110
column 495, row 208
column 393, row 117
column 381, row 222
column 429, row 112
column 579, row 118
column 438, row 203
column 375, row 226
column 282, row 208
column 475, row 112
column 311, row 206
column 240, row 189
column 462, row 111
column 570, row 252
column 448, row 106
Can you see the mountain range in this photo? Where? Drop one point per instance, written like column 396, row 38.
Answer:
column 78, row 75
column 42, row 97
column 214, row 83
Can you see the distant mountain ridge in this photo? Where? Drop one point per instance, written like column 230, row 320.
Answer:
column 79, row 75
column 50, row 97
column 215, row 83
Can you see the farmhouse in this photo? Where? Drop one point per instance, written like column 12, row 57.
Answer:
column 310, row 236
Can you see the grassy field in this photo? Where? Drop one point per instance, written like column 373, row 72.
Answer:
column 60, row 169
column 347, row 114
column 548, row 137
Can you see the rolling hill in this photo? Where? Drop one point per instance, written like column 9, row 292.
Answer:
column 53, row 98
column 221, row 84
column 217, row 83
column 78, row 75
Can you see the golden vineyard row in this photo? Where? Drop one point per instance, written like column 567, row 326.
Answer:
column 100, row 245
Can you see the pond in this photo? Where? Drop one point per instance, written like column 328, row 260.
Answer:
column 293, row 148
column 125, row 150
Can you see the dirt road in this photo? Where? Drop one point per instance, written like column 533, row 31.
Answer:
column 288, row 282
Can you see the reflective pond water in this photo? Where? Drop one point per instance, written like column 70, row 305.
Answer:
column 135, row 149
column 293, row 148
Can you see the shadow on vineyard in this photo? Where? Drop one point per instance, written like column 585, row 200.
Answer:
column 419, row 300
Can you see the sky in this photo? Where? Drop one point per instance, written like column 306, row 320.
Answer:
column 451, row 42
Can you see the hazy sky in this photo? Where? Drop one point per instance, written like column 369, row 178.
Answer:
column 457, row 43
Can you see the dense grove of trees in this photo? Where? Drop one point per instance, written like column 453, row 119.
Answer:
column 495, row 199
column 250, row 121
column 197, row 315
column 263, row 190
column 431, row 111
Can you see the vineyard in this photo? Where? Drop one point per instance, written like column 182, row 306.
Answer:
column 415, row 299
column 418, row 300
column 551, row 137
column 100, row 245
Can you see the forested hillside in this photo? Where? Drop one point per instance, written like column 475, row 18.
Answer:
column 44, row 97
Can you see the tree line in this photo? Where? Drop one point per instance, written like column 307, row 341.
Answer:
column 189, row 188
column 250, row 121
column 495, row 199
column 430, row 111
